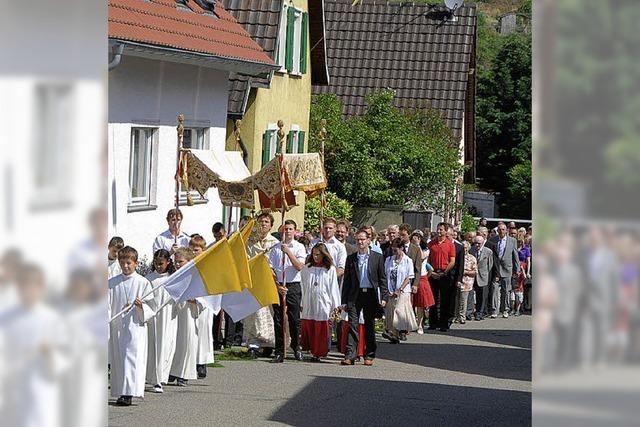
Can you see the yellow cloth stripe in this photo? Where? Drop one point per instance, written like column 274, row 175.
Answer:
column 218, row 269
column 264, row 285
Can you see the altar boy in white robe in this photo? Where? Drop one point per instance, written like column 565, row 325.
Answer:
column 128, row 331
column 183, row 367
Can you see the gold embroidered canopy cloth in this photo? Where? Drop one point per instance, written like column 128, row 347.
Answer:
column 300, row 172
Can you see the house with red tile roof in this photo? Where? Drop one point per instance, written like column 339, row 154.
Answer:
column 169, row 57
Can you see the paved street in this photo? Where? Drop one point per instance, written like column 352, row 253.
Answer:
column 477, row 374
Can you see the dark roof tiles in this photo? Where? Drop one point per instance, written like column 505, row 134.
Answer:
column 376, row 45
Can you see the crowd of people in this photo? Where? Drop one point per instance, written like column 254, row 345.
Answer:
column 333, row 284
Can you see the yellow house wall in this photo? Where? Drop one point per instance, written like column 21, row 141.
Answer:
column 288, row 99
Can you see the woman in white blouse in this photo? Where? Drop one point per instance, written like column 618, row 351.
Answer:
column 399, row 312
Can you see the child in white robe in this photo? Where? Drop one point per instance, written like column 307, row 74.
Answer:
column 113, row 267
column 320, row 297
column 128, row 331
column 183, row 367
column 162, row 327
column 204, row 324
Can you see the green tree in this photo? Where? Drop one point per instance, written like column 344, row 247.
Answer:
column 387, row 156
column 336, row 207
column 503, row 125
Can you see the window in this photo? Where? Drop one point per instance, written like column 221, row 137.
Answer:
column 270, row 144
column 140, row 165
column 292, row 41
column 195, row 138
column 295, row 140
column 52, row 144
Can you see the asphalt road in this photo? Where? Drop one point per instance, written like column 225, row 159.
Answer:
column 477, row 374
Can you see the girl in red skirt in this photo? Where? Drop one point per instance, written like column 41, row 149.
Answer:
column 423, row 298
column 320, row 297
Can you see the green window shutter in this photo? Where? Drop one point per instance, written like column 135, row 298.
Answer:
column 291, row 17
column 266, row 138
column 303, row 43
column 301, row 142
column 290, row 142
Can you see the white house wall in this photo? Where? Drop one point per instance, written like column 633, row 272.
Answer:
column 142, row 93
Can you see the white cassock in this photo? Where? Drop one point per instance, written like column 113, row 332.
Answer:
column 204, row 326
column 161, row 332
column 128, row 334
column 165, row 240
column 186, row 354
column 320, row 292
column 113, row 269
column 85, row 385
column 33, row 343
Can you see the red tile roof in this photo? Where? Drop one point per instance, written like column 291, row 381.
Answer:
column 162, row 23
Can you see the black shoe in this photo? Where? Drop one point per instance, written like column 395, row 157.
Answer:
column 298, row 355
column 278, row 358
column 253, row 353
column 395, row 341
column 469, row 317
column 172, row 378
column 124, row 401
column 202, row 371
column 403, row 336
column 478, row 317
column 181, row 382
column 267, row 351
column 387, row 336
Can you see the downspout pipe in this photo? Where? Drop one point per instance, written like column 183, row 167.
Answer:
column 117, row 56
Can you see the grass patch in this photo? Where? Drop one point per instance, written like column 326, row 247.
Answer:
column 234, row 353
column 215, row 365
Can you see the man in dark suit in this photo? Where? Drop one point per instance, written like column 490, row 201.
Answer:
column 364, row 289
column 456, row 273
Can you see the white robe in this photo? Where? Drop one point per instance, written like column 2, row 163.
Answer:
column 33, row 343
column 320, row 292
column 128, row 334
column 85, row 385
column 161, row 332
column 113, row 269
column 185, row 356
column 204, row 326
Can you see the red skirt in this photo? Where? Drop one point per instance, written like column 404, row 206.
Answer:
column 424, row 297
column 345, row 334
column 315, row 336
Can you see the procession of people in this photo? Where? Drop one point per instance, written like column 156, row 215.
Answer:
column 334, row 289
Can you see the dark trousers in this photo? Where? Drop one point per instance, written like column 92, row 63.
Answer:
column 229, row 330
column 368, row 303
column 482, row 299
column 294, row 295
column 442, row 311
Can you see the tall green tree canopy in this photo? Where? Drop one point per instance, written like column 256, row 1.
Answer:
column 386, row 156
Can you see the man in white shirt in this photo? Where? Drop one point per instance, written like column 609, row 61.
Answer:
column 337, row 250
column 288, row 279
column 172, row 238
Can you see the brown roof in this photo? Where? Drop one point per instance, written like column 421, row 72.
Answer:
column 405, row 47
column 190, row 28
column 261, row 18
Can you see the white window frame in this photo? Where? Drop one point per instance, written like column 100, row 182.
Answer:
column 52, row 144
column 282, row 41
column 296, row 139
column 202, row 138
column 297, row 35
column 150, row 135
column 202, row 143
column 273, row 141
